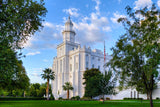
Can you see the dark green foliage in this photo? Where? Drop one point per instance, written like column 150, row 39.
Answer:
column 18, row 20
column 87, row 99
column 107, row 98
column 33, row 90
column 52, row 97
column 67, row 86
column 48, row 74
column 107, row 84
column 19, row 98
column 132, row 98
column 60, row 98
column 136, row 56
column 92, row 76
column 8, row 65
column 41, row 92
column 38, row 90
column 75, row 98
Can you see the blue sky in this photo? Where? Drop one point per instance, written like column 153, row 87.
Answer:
column 94, row 21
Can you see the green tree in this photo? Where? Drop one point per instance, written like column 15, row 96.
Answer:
column 136, row 55
column 67, row 86
column 19, row 80
column 8, row 65
column 41, row 91
column 48, row 74
column 107, row 84
column 92, row 76
column 34, row 88
column 18, row 20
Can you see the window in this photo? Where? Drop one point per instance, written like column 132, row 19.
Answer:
column 98, row 67
column 70, row 67
column 93, row 66
column 60, row 65
column 86, row 64
column 93, row 58
column 99, row 59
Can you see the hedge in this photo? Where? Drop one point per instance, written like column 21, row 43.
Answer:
column 132, row 98
column 20, row 98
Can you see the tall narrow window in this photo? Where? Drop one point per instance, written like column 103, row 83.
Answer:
column 98, row 67
column 70, row 67
column 93, row 66
column 86, row 64
column 60, row 65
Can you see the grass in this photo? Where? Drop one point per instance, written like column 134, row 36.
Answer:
column 43, row 103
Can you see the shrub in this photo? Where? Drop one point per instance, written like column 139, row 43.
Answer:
column 60, row 98
column 20, row 98
column 132, row 98
column 52, row 97
column 107, row 98
column 77, row 97
column 86, row 99
column 157, row 98
column 73, row 98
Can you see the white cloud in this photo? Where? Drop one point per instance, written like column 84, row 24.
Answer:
column 45, row 60
column 142, row 3
column 48, row 24
column 35, row 74
column 91, row 29
column 72, row 12
column 97, row 6
column 158, row 2
column 33, row 53
column 107, row 29
column 116, row 16
column 45, row 39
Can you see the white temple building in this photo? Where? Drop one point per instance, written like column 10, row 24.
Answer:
column 71, row 62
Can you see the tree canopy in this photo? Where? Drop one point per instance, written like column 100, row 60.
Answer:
column 19, row 19
column 92, row 78
column 48, row 74
column 67, row 86
column 136, row 56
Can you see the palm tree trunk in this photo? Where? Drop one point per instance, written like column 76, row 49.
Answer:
column 67, row 94
column 47, row 91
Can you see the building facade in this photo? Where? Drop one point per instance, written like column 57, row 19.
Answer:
column 71, row 62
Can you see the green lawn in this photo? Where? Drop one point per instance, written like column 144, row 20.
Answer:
column 42, row 103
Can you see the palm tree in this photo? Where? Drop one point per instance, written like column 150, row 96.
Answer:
column 48, row 74
column 67, row 86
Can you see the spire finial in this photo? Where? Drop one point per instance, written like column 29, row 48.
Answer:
column 69, row 16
